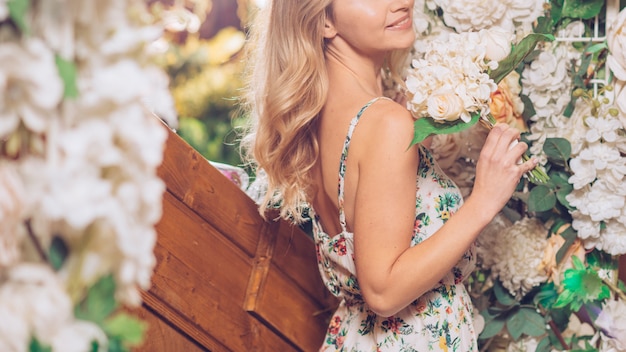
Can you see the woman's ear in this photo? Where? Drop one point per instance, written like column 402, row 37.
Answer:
column 329, row 29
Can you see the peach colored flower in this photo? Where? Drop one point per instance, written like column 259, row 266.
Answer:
column 555, row 242
column 506, row 106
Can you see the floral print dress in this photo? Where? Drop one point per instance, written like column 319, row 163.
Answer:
column 439, row 320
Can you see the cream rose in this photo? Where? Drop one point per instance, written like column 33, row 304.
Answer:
column 445, row 106
column 616, row 40
column 497, row 42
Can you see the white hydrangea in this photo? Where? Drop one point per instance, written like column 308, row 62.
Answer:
column 35, row 303
column 450, row 82
column 515, row 255
column 467, row 15
column 30, row 87
column 91, row 180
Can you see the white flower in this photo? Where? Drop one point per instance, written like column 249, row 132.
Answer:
column 4, row 10
column 30, row 87
column 178, row 19
column 445, row 105
column 602, row 127
column 466, row 15
column 497, row 41
column 33, row 295
column 515, row 255
column 616, row 40
column 612, row 238
column 454, row 66
column 584, row 172
column 612, row 321
column 597, row 201
column 546, row 82
column 526, row 12
column 77, row 336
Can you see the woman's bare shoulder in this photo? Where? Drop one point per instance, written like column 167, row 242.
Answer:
column 386, row 119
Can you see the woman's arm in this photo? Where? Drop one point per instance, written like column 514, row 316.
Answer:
column 391, row 274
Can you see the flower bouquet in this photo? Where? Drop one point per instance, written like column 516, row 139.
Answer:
column 449, row 87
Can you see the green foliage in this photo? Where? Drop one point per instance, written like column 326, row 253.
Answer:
column 425, row 127
column 125, row 328
column 99, row 302
column 581, row 285
column 583, row 9
column 558, row 150
column 68, row 74
column 17, row 11
column 541, row 198
column 518, row 54
column 36, row 346
column 526, row 321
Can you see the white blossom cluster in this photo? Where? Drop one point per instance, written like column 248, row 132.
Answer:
column 450, row 81
column 514, row 253
column 77, row 167
column 598, row 169
column 474, row 15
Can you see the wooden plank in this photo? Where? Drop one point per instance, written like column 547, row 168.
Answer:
column 199, row 284
column 289, row 311
column 163, row 336
column 296, row 257
column 216, row 199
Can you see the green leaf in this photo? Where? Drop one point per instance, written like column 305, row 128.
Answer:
column 128, row 329
column 492, row 328
column 36, row 346
column 547, row 295
column 517, row 55
column 544, row 345
column 582, row 9
column 426, row 126
column 566, row 297
column 596, row 48
column 99, row 302
column 18, row 9
column 558, row 150
column 58, row 252
column 526, row 321
column 67, row 72
column 502, row 295
column 541, row 198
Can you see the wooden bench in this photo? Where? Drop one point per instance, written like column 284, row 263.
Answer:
column 225, row 279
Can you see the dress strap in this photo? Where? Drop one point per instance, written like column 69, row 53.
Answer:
column 342, row 162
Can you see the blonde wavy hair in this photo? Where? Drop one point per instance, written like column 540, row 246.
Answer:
column 286, row 88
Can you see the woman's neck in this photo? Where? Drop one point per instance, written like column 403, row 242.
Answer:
column 354, row 69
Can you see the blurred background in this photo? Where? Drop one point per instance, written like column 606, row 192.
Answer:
column 201, row 52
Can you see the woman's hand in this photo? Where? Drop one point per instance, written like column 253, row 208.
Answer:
column 499, row 170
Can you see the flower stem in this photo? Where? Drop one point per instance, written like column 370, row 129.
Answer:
column 33, row 238
column 537, row 175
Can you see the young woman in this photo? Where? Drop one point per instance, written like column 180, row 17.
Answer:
column 393, row 236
